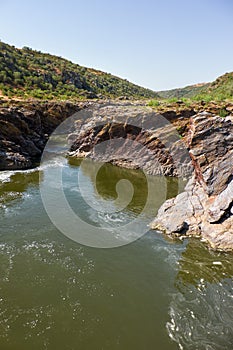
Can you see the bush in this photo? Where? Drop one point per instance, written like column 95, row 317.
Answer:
column 172, row 100
column 153, row 103
column 223, row 113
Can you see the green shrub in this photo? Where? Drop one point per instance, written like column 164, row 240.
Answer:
column 153, row 103
column 223, row 113
column 172, row 100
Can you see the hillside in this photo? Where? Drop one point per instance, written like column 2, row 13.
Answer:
column 219, row 90
column 29, row 73
column 187, row 92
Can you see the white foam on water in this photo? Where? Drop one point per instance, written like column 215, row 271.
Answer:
column 56, row 162
column 5, row 176
column 53, row 163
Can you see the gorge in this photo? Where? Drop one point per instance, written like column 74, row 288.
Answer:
column 202, row 151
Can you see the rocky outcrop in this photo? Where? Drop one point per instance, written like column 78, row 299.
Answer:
column 134, row 137
column 24, row 131
column 205, row 208
column 26, row 126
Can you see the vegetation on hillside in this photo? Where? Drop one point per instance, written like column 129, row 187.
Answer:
column 215, row 97
column 219, row 90
column 28, row 73
column 186, row 92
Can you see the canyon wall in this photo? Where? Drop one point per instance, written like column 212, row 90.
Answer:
column 132, row 136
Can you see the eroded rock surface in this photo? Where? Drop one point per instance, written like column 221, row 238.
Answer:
column 24, row 131
column 205, row 208
column 128, row 135
column 133, row 137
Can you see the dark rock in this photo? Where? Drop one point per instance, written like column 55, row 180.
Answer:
column 24, row 131
column 91, row 95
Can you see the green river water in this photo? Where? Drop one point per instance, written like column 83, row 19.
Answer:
column 151, row 294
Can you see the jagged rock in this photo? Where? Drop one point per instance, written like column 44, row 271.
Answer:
column 221, row 204
column 24, row 131
column 205, row 207
column 133, row 137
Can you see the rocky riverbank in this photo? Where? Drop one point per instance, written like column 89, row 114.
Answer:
column 205, row 208
column 205, row 152
column 135, row 137
column 24, row 131
column 186, row 141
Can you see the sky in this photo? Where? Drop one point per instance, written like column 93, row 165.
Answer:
column 159, row 44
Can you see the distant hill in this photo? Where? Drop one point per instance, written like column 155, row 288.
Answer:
column 29, row 73
column 188, row 91
column 219, row 90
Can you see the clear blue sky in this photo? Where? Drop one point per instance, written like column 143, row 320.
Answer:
column 158, row 44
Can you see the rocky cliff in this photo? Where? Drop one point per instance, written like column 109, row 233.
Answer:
column 136, row 137
column 205, row 208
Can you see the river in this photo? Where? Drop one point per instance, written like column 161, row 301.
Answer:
column 153, row 293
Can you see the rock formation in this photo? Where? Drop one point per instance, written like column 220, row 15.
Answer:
column 129, row 135
column 205, row 208
column 133, row 137
column 24, row 131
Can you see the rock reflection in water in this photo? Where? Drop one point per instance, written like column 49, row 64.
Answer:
column 105, row 178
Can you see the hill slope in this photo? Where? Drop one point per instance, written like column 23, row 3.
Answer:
column 29, row 73
column 219, row 90
column 187, row 92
